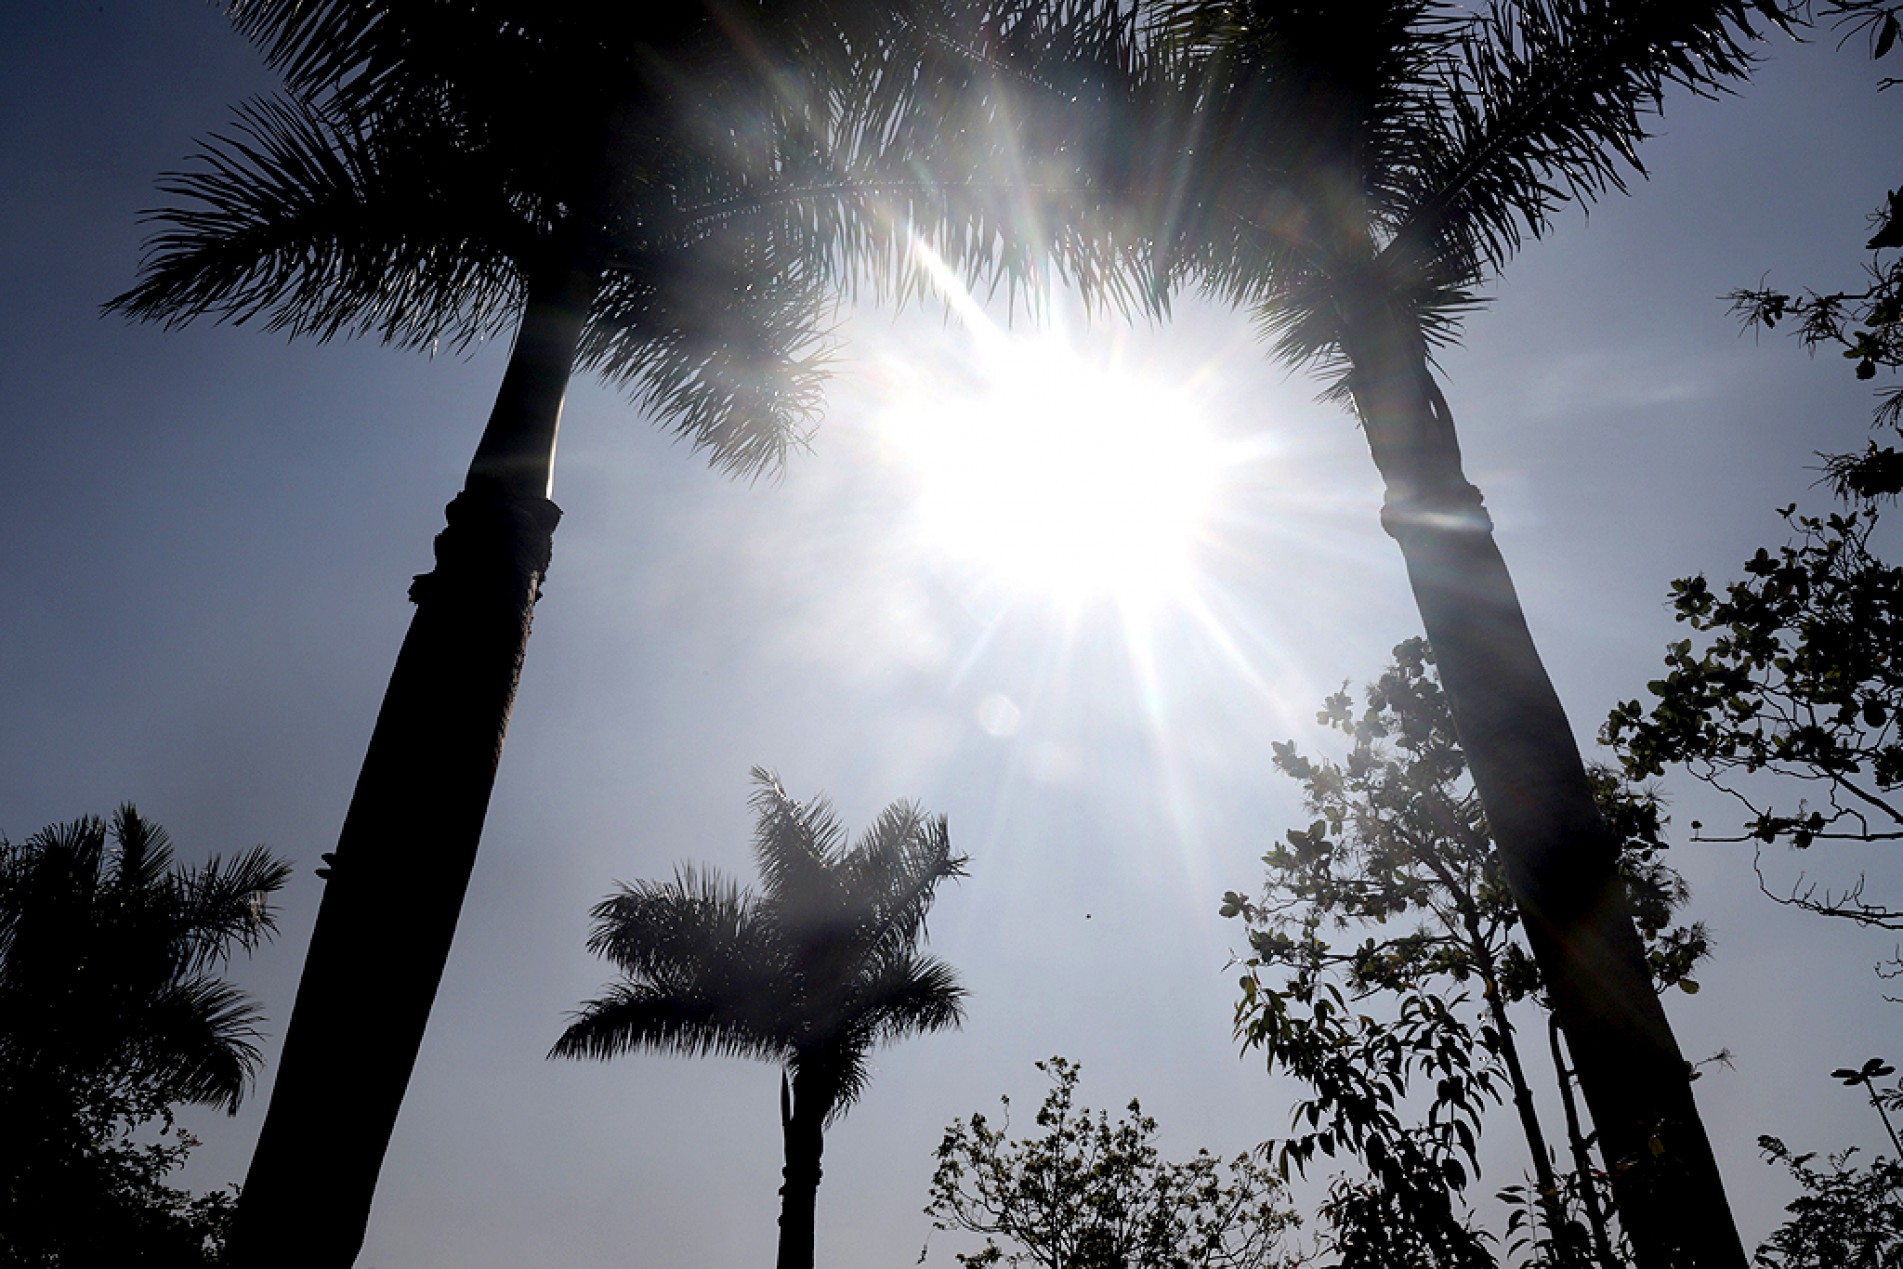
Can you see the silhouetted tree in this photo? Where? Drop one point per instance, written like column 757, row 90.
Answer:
column 1363, row 168
column 1401, row 861
column 113, row 1011
column 667, row 194
column 1789, row 702
column 813, row 972
column 1847, row 1217
column 1089, row 1194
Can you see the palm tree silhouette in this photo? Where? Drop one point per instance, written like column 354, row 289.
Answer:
column 111, row 996
column 1371, row 162
column 812, row 973
column 666, row 195
column 437, row 184
column 109, row 955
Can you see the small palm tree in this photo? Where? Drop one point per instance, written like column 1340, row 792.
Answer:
column 113, row 1010
column 813, row 973
column 109, row 959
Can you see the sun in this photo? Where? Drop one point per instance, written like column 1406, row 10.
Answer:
column 1057, row 471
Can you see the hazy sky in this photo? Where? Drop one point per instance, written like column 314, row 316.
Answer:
column 206, row 536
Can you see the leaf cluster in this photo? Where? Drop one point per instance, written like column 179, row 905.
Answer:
column 432, row 165
column 712, row 187
column 110, row 956
column 1794, row 690
column 430, row 161
column 1401, row 854
column 1847, row 1217
column 1865, row 324
column 1089, row 1193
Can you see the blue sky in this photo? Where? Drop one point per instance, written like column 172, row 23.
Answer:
column 208, row 534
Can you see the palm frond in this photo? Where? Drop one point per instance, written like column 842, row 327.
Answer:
column 700, row 927
column 102, row 960
column 913, row 994
column 320, row 224
column 1548, row 105
column 1313, row 119
column 634, row 1015
column 312, row 43
column 738, row 177
column 796, row 846
column 226, row 906
column 835, row 1074
column 197, row 1040
column 894, row 871
column 1004, row 136
column 1392, row 152
column 727, row 338
column 144, row 851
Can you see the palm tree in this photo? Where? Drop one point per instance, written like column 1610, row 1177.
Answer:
column 813, row 973
column 439, row 184
column 664, row 195
column 109, row 960
column 113, row 1010
column 1373, row 162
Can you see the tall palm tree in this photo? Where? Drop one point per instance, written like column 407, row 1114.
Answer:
column 666, row 194
column 812, row 973
column 112, row 1006
column 470, row 169
column 1370, row 164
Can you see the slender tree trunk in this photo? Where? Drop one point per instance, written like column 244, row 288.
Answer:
column 1582, row 1154
column 1558, row 855
column 408, row 844
column 802, row 1120
column 1551, row 1209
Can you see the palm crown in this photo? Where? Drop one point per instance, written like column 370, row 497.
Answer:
column 109, row 960
column 1396, row 152
column 814, row 972
column 428, row 172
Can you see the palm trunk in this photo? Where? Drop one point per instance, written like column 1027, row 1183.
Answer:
column 408, row 843
column 1558, row 856
column 802, row 1121
column 1582, row 1154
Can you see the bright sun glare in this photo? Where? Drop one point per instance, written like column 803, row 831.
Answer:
column 1059, row 473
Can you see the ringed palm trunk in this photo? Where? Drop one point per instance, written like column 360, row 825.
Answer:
column 1559, row 857
column 802, row 1123
column 403, row 860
